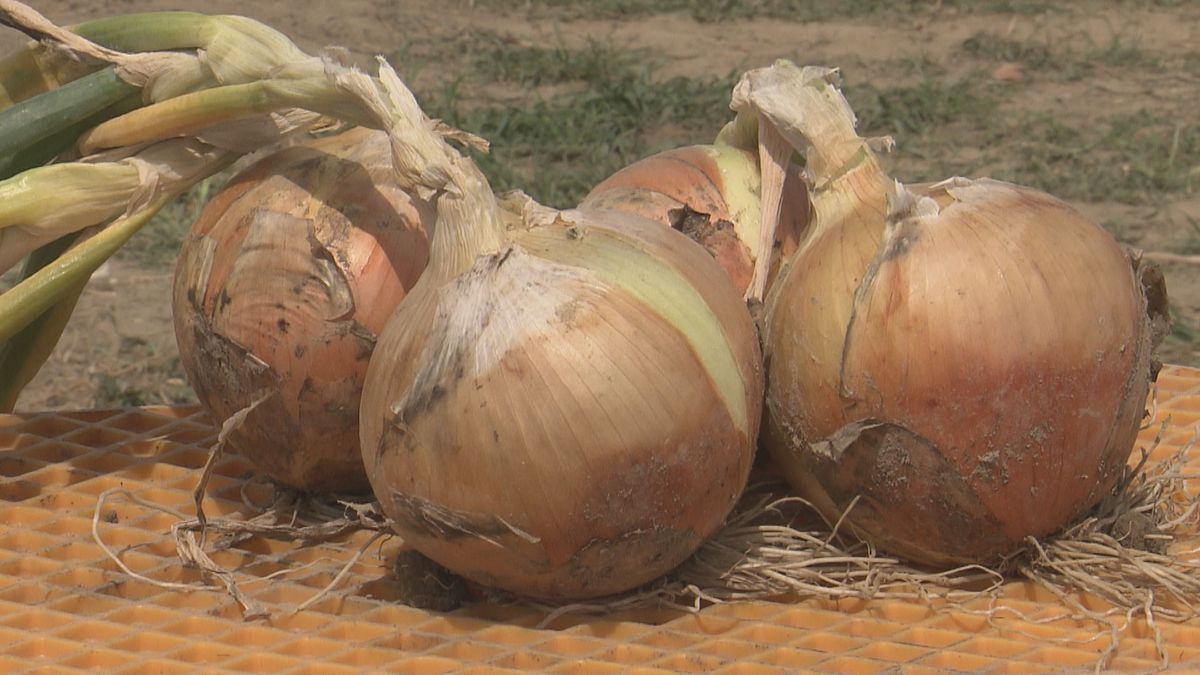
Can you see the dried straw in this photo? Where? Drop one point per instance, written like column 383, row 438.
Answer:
column 775, row 546
column 291, row 516
column 1119, row 552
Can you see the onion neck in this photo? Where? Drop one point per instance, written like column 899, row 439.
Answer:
column 806, row 108
column 857, row 196
column 468, row 225
column 468, row 222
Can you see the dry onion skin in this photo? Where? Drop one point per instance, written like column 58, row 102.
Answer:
column 712, row 194
column 564, row 409
column 282, row 285
column 970, row 360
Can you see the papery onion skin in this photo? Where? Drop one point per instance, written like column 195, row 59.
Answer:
column 975, row 373
column 710, row 193
column 282, row 285
column 604, row 383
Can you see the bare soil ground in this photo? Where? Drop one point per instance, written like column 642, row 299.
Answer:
column 1116, row 71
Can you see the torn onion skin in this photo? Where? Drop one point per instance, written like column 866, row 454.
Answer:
column 282, row 285
column 711, row 194
column 969, row 360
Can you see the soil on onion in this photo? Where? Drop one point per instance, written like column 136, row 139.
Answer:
column 1089, row 100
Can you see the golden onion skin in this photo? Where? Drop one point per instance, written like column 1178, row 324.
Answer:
column 573, row 415
column 975, row 373
column 282, row 285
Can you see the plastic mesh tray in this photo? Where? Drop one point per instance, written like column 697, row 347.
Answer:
column 64, row 605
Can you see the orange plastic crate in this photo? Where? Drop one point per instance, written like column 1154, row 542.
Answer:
column 64, row 605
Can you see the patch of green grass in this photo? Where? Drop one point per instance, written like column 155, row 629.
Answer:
column 944, row 128
column 808, row 10
column 556, row 147
column 1131, row 158
column 712, row 11
column 1120, row 52
column 935, row 122
column 1010, row 6
column 1155, row 3
column 1190, row 63
column 930, row 105
column 991, row 46
column 1071, row 57
column 1192, row 245
column 551, row 65
column 1182, row 332
column 705, row 10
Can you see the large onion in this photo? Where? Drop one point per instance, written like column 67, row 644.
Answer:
column 282, row 284
column 965, row 364
column 564, row 410
column 712, row 194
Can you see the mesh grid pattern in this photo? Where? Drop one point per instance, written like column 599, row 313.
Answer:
column 65, row 606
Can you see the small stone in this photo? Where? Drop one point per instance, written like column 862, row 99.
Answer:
column 1008, row 72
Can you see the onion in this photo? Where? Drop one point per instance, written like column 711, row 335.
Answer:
column 282, row 285
column 961, row 365
column 710, row 193
column 563, row 410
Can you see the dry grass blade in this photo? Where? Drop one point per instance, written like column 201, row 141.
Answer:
column 230, row 425
column 291, row 516
column 100, row 502
column 1169, row 257
column 341, row 575
column 773, row 547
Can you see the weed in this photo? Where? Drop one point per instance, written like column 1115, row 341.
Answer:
column 1071, row 57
